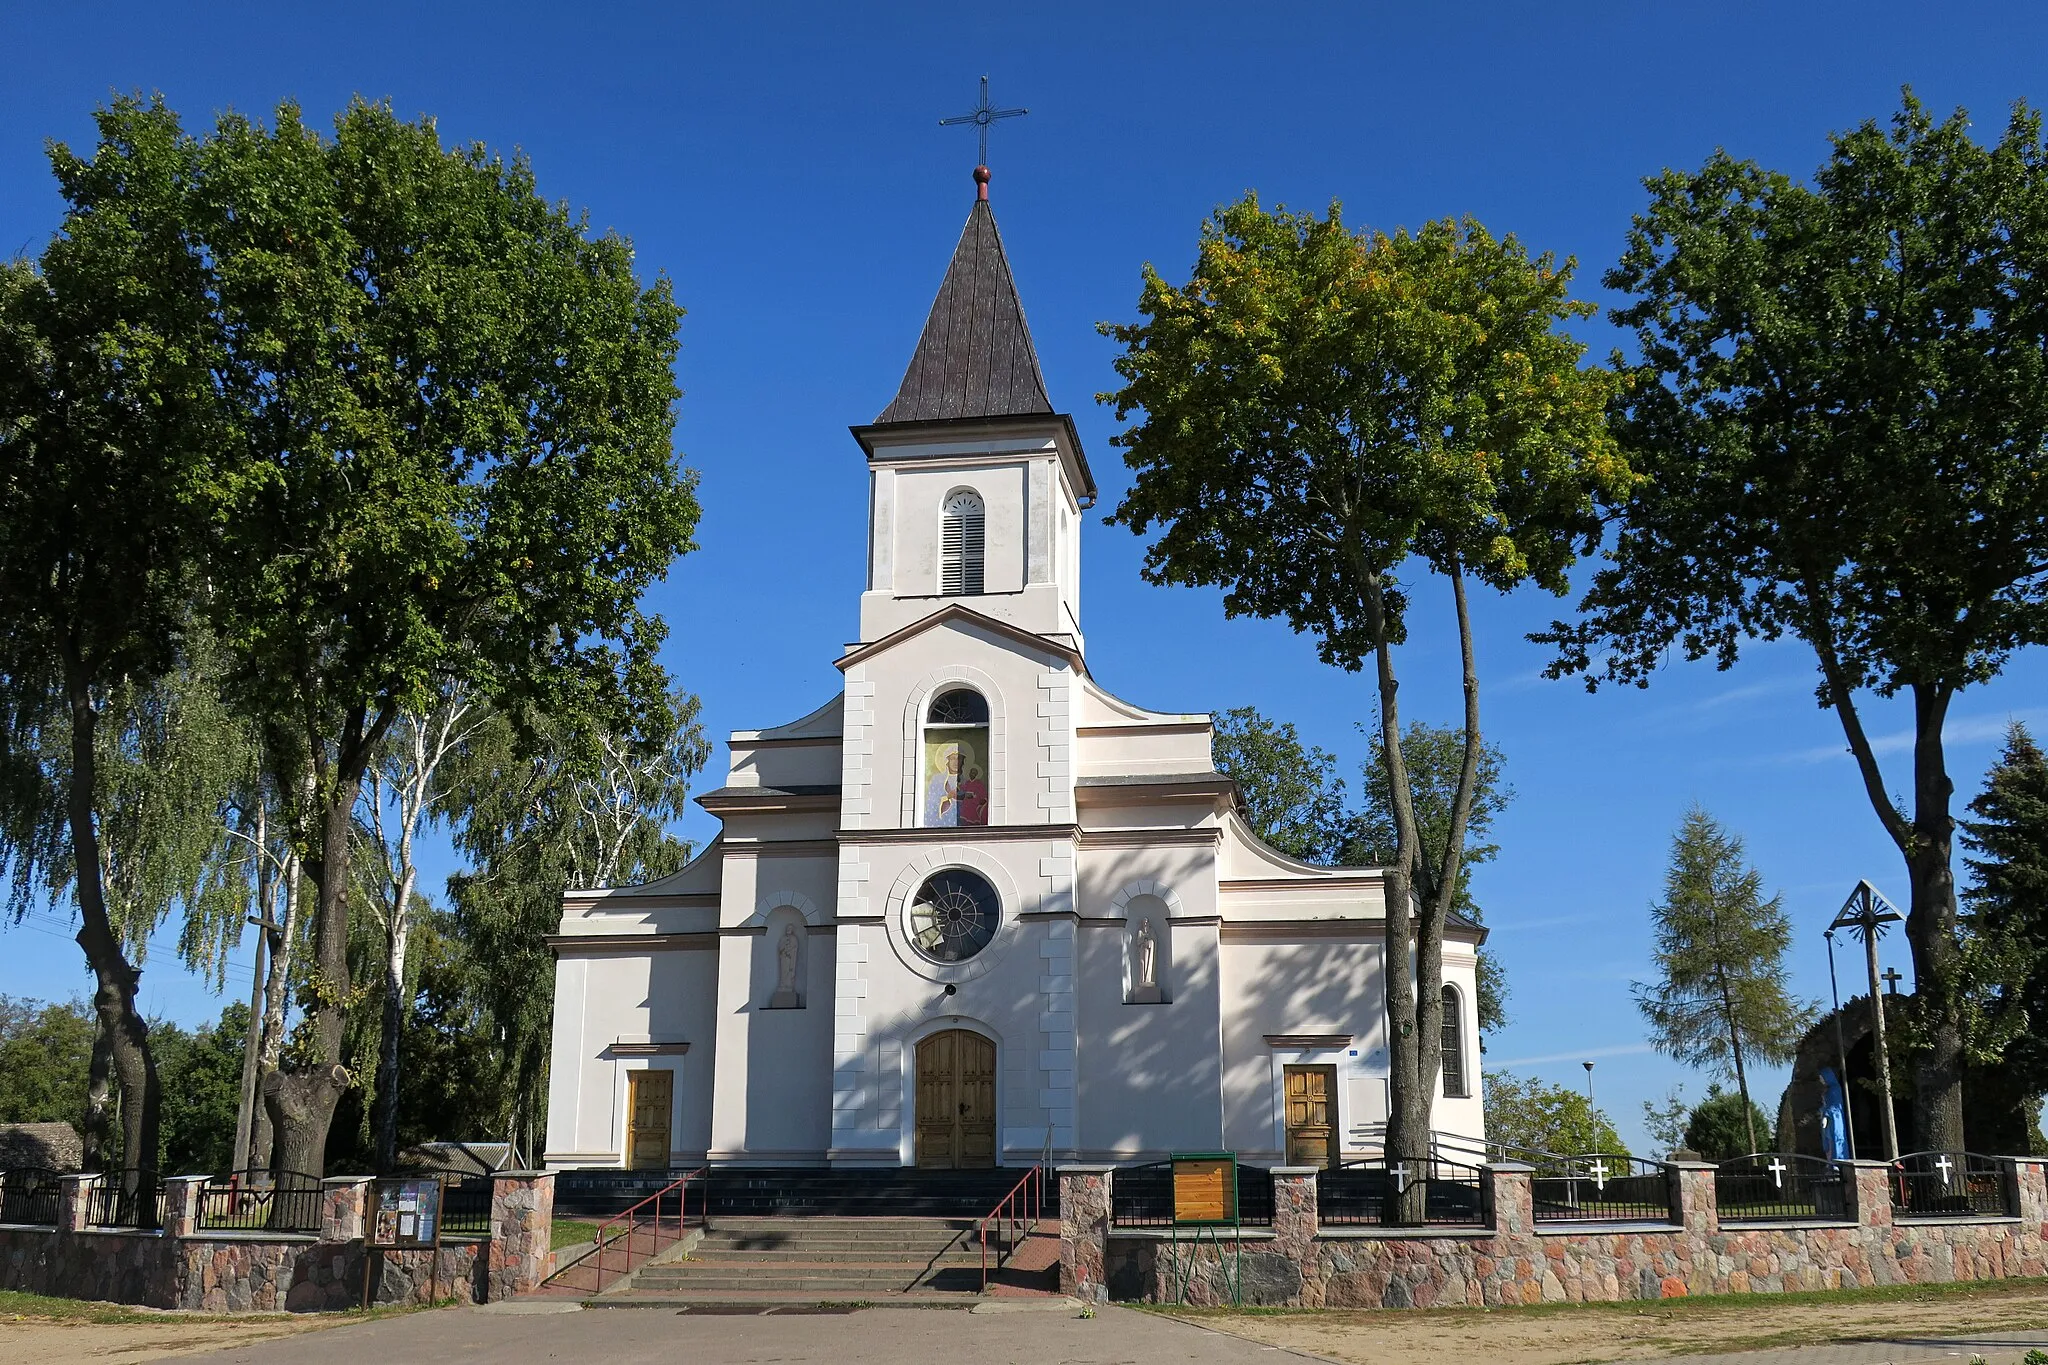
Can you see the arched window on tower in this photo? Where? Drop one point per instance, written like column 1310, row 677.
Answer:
column 956, row 759
column 1454, row 1047
column 960, row 545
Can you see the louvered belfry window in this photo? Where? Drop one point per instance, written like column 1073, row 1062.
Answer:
column 960, row 546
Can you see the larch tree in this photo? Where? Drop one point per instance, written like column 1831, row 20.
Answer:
column 1721, row 1000
column 1841, row 427
column 1321, row 411
column 452, row 463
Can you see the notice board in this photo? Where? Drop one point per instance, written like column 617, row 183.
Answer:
column 405, row 1214
column 1204, row 1188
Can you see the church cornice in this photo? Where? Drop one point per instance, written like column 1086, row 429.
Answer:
column 928, row 834
column 761, row 800
column 951, row 614
column 574, row 944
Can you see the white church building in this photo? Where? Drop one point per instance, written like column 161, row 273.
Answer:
column 976, row 905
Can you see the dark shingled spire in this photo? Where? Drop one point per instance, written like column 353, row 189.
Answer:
column 975, row 358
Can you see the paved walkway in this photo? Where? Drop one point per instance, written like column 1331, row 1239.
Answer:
column 1013, row 1332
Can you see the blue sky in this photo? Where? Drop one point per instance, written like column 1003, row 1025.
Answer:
column 782, row 164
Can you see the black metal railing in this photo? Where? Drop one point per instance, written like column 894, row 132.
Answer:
column 1601, row 1188
column 1776, row 1187
column 1142, row 1196
column 29, row 1194
column 126, row 1199
column 466, row 1207
column 289, row 1201
column 1949, row 1185
column 1373, row 1193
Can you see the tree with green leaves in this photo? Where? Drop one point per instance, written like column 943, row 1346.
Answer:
column 574, row 804
column 1434, row 757
column 202, row 1080
column 45, row 1050
column 1290, row 797
column 1287, row 791
column 1722, row 1000
column 1322, row 411
column 404, row 796
column 108, row 422
column 1724, row 1126
column 452, row 408
column 2005, row 908
column 1525, row 1114
column 1842, row 424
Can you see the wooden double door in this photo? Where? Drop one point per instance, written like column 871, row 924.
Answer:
column 1312, row 1116
column 956, row 1102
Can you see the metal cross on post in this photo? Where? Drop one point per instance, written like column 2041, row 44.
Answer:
column 1943, row 1166
column 1866, row 914
column 1599, row 1170
column 981, row 118
column 1777, row 1168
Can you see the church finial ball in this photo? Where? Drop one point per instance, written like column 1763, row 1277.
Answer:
column 981, row 182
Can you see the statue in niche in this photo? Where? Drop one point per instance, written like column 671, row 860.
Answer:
column 785, row 997
column 1145, row 965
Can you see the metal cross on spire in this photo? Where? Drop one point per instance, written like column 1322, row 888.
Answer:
column 981, row 118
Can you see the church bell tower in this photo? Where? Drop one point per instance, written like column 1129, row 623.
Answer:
column 976, row 486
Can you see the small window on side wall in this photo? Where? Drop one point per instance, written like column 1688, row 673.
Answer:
column 1454, row 1047
column 961, row 545
column 956, row 759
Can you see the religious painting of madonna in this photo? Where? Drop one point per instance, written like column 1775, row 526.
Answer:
column 956, row 778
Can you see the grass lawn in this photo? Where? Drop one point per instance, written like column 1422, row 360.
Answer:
column 15, row 1306
column 571, row 1232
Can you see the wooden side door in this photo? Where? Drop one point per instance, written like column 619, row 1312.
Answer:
column 649, row 1096
column 1311, row 1115
column 937, row 1123
column 975, row 1100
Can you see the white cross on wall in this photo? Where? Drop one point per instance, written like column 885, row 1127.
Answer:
column 1777, row 1170
column 1943, row 1166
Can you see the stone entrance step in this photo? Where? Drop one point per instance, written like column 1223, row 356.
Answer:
column 826, row 1259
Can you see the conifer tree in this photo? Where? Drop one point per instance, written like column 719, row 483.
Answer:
column 1723, row 1001
column 2006, row 906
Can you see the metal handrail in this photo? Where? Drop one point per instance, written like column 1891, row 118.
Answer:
column 1025, row 1203
column 679, row 1188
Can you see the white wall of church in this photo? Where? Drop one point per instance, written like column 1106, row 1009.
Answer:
column 607, row 998
column 1306, row 986
column 1031, row 780
column 1150, row 1075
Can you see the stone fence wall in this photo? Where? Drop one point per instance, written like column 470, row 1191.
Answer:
column 185, row 1266
column 1513, row 1259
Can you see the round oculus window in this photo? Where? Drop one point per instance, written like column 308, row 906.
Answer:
column 954, row 916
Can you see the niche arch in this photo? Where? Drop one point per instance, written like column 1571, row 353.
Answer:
column 1147, row 904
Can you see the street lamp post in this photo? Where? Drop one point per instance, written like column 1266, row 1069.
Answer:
column 1866, row 913
column 1589, row 1081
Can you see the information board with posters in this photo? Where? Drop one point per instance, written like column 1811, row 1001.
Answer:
column 405, row 1214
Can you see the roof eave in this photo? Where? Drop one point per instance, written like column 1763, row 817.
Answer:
column 1071, row 453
